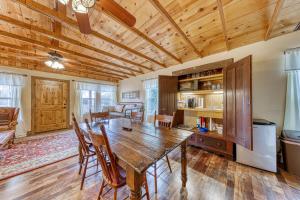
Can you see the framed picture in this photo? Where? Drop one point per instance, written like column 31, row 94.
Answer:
column 131, row 95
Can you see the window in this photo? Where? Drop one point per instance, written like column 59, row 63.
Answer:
column 88, row 101
column 108, row 96
column 151, row 97
column 93, row 97
column 5, row 96
column 11, row 86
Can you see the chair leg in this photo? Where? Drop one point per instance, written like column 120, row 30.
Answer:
column 146, row 187
column 80, row 167
column 116, row 194
column 84, row 172
column 155, row 178
column 169, row 163
column 101, row 189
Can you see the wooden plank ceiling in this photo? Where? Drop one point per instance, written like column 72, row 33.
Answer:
column 167, row 32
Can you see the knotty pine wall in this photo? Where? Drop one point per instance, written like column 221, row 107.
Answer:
column 269, row 79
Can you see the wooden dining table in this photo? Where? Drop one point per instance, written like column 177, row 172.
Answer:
column 138, row 146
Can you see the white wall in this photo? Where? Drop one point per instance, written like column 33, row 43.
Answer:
column 26, row 94
column 269, row 80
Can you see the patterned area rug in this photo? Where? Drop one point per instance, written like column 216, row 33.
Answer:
column 37, row 151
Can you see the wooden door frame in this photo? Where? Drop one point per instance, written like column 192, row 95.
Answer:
column 33, row 78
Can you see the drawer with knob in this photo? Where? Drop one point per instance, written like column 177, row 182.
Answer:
column 212, row 142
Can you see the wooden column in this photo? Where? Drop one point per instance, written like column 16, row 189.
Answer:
column 183, row 191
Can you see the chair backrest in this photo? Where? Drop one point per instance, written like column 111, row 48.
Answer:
column 105, row 156
column 16, row 114
column 164, row 120
column 80, row 136
column 9, row 114
column 137, row 116
column 88, row 126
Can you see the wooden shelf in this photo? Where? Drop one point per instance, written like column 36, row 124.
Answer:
column 204, row 112
column 203, row 92
column 204, row 78
column 202, row 109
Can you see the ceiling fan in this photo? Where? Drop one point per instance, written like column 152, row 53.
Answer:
column 81, row 9
column 55, row 60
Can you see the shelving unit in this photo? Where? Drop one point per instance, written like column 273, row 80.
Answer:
column 207, row 88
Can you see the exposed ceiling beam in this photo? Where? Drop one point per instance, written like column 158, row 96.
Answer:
column 142, row 35
column 166, row 15
column 33, row 51
column 275, row 15
column 221, row 12
column 89, row 69
column 60, row 49
column 66, row 20
column 62, row 38
column 25, row 64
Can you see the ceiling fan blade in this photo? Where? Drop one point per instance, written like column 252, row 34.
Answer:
column 117, row 11
column 83, row 22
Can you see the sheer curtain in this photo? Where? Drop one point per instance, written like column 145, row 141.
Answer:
column 11, row 88
column 292, row 108
column 108, row 96
column 151, row 97
column 90, row 96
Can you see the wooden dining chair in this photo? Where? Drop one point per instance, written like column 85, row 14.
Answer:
column 86, row 153
column 113, row 175
column 167, row 122
column 137, row 116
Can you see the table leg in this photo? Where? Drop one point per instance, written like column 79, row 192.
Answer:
column 183, row 191
column 134, row 181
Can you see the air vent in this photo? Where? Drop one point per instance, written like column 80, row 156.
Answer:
column 297, row 28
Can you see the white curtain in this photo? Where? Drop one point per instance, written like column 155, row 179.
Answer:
column 292, row 107
column 292, row 59
column 151, row 97
column 90, row 96
column 11, row 88
column 108, row 96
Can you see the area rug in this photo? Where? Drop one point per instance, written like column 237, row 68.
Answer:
column 37, row 151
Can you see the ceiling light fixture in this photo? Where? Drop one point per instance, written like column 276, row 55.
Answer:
column 54, row 61
column 78, row 7
column 88, row 3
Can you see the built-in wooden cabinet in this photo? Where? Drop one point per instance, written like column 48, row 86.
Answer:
column 238, row 102
column 222, row 93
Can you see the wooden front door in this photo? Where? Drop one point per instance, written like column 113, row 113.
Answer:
column 50, row 104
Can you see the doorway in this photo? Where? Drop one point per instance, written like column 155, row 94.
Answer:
column 50, row 104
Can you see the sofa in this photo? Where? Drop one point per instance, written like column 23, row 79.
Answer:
column 8, row 123
column 123, row 109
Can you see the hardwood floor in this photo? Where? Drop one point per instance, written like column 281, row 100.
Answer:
column 209, row 177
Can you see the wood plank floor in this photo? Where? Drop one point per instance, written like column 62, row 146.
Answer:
column 209, row 177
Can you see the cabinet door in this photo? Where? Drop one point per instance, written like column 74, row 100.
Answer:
column 167, row 94
column 238, row 102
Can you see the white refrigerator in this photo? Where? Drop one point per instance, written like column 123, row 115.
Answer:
column 263, row 155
